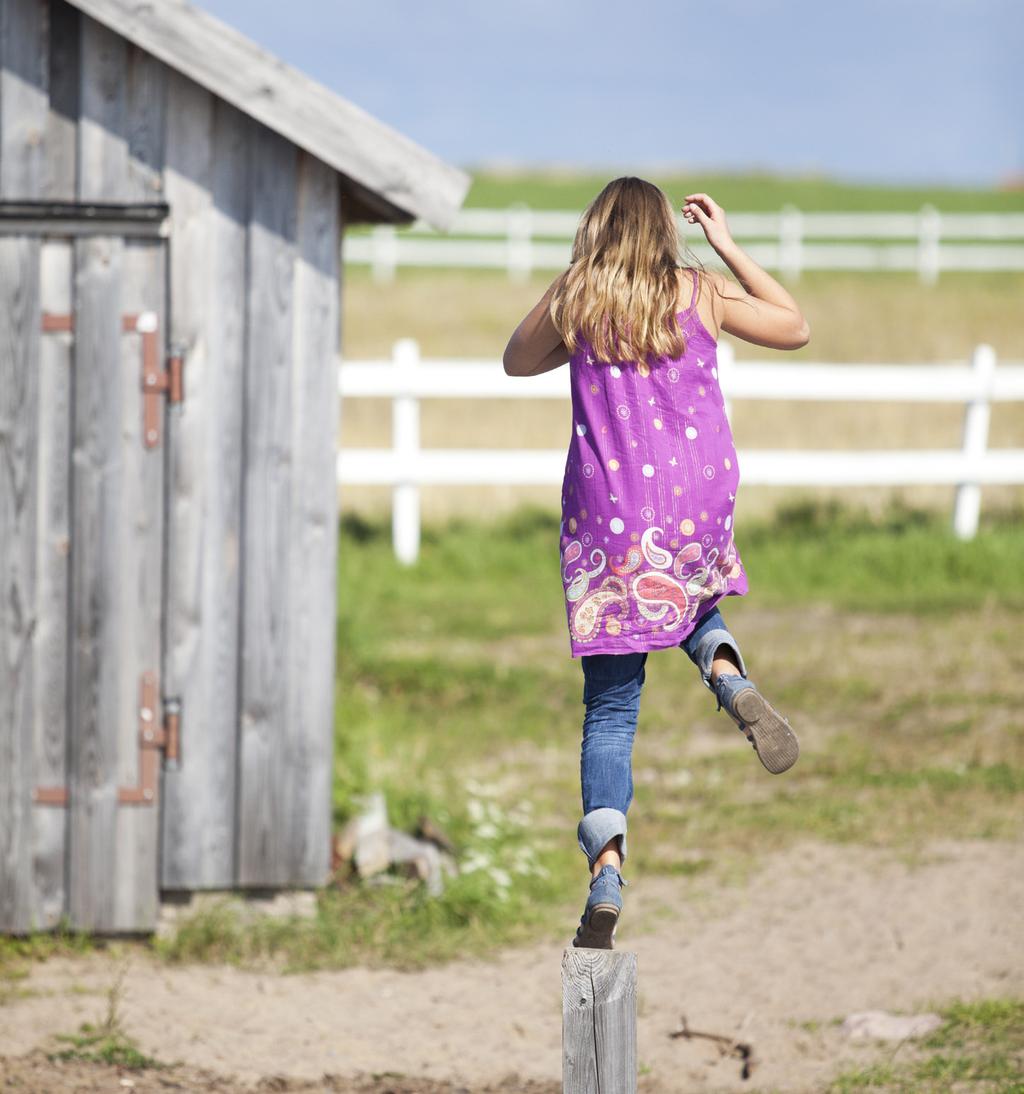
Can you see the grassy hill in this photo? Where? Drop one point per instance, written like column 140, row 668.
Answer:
column 748, row 192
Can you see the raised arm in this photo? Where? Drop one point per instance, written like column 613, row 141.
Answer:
column 535, row 345
column 758, row 309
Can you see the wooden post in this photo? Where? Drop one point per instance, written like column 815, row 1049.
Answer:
column 929, row 236
column 405, row 442
column 520, row 245
column 967, row 506
column 598, row 1022
column 791, row 233
column 384, row 261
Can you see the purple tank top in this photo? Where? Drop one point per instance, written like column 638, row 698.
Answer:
column 650, row 482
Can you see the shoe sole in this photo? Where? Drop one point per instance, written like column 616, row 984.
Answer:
column 599, row 929
column 774, row 741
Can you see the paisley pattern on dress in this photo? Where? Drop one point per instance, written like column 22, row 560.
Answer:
column 668, row 598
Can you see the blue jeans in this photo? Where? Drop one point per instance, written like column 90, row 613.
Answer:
column 611, row 693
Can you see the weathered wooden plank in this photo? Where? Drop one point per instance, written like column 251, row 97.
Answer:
column 206, row 182
column 312, row 595
column 598, row 1022
column 97, row 514
column 265, row 826
column 19, row 414
column 24, row 94
column 62, row 122
column 116, row 587
column 138, row 542
column 53, row 549
column 342, row 134
column 121, row 128
column 144, row 125
column 102, row 145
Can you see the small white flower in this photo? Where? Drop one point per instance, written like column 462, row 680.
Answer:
column 475, row 861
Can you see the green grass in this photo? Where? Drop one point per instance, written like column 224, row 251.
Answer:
column 106, row 1041
column 750, row 191
column 500, row 894
column 906, row 561
column 98, row 1044
column 18, row 953
column 979, row 1047
column 753, row 191
column 457, row 697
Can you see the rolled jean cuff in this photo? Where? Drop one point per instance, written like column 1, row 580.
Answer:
column 597, row 828
column 704, row 654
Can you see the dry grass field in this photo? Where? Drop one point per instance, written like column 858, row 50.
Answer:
column 876, row 318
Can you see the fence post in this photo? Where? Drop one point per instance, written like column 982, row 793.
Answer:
column 385, row 252
column 520, row 247
column 598, row 1022
column 929, row 232
column 726, row 359
column 967, row 506
column 405, row 442
column 791, row 231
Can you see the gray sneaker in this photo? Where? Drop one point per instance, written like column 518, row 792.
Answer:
column 767, row 730
column 597, row 924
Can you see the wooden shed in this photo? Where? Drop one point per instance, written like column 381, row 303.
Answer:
column 172, row 203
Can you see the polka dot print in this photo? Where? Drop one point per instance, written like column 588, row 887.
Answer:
column 648, row 492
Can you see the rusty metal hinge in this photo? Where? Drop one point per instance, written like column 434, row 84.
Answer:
column 156, row 381
column 154, row 737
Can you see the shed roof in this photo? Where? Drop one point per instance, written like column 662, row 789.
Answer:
column 391, row 177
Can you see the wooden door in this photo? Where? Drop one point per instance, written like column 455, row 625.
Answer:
column 82, row 354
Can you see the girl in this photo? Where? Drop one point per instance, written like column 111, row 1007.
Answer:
column 650, row 482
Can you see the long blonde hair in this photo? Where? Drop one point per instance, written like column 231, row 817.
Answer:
column 621, row 290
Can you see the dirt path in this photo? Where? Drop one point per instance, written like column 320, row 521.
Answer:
column 818, row 933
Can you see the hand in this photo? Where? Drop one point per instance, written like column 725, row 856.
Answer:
column 710, row 216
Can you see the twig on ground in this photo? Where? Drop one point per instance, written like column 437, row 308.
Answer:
column 727, row 1046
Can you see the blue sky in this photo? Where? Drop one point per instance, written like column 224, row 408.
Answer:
column 897, row 91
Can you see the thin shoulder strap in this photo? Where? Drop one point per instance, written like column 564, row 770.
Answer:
column 693, row 301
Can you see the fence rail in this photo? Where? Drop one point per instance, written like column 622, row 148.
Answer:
column 520, row 239
column 406, row 466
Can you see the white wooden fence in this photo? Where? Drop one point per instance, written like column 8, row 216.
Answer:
column 520, row 240
column 406, row 379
